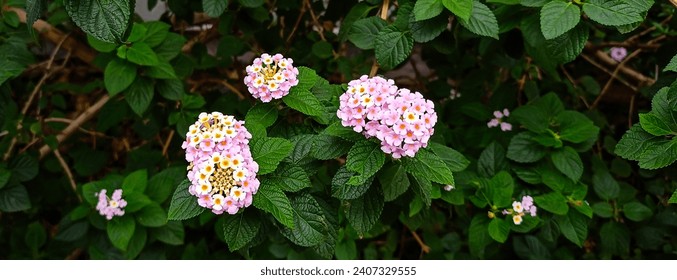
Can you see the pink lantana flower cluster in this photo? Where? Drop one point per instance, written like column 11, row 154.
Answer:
column 498, row 120
column 112, row 206
column 221, row 169
column 519, row 209
column 618, row 53
column 402, row 120
column 271, row 77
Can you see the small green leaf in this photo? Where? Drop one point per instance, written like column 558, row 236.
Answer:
column 118, row 76
column 99, row 45
column 605, row 186
column 35, row 236
column 568, row 162
column 304, row 101
column 341, row 187
column 135, row 182
column 135, row 201
column 240, row 229
column 140, row 53
column 172, row 233
column 492, row 160
column 574, row 227
column 34, row 9
column 171, row 89
column 611, row 12
column 268, row 152
column 558, row 17
column 394, row 181
column 263, row 114
column 461, row 8
column 156, row 33
column 14, row 199
column 137, row 33
column 576, row 127
column 356, row 12
column 162, row 70
column 654, row 125
column 427, row 164
column 603, row 209
column 553, row 202
column 615, row 238
column 478, row 235
column 153, row 215
column 393, row 46
column 170, row 47
column 634, row 142
column 183, row 205
column 426, row 9
column 139, row 95
column 501, row 189
column 105, row 20
column 271, row 199
column 364, row 212
column 499, row 229
column 251, row 3
column 290, row 178
column 672, row 65
column 427, row 30
column 365, row 31
column 523, row 149
column 24, row 168
column 310, row 225
column 120, row 231
column 636, row 211
column 162, row 185
column 659, row 155
column 325, row 147
column 454, row 160
column 566, row 47
column 214, row 8
column 365, row 158
column 137, row 243
column 482, row 21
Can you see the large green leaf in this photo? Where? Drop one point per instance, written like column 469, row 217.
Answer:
column 524, row 149
column 636, row 211
column 153, row 215
column 611, row 12
column 492, row 160
column 568, row 162
column 573, row 226
column 364, row 32
column 271, row 199
column 659, row 155
column 363, row 213
column 566, row 47
column 672, row 65
column 454, row 160
column 162, row 184
column 605, row 185
column 553, row 202
column 268, row 152
column 139, row 95
column 461, row 8
column 135, row 182
column 500, row 189
column 576, row 127
column 310, row 225
column 393, row 46
column 394, row 181
column 183, row 205
column 478, row 235
column 427, row 164
column 240, row 229
column 120, row 231
column 263, row 114
column 104, row 19
column 634, row 142
column 118, row 75
column 365, row 158
column 558, row 17
column 499, row 229
column 342, row 188
column 290, row 178
column 426, row 9
column 140, row 53
column 304, row 101
column 482, row 21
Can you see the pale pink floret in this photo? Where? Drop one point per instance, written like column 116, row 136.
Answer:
column 110, row 207
column 401, row 119
column 499, row 122
column 211, row 156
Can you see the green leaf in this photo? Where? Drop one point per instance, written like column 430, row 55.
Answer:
column 137, row 33
column 14, row 199
column 34, row 9
column 461, row 8
column 163, row 70
column 454, row 160
column 523, row 149
column 558, row 17
column 611, row 12
column 153, row 215
column 492, row 160
column 137, row 243
column 290, row 178
column 4, row 177
column 341, row 187
column 603, row 209
column 105, row 20
column 24, row 168
column 482, row 21
column 364, row 212
column 553, row 202
column 672, row 65
column 171, row 89
column 140, row 53
column 263, row 114
column 120, row 231
column 569, row 45
column 268, row 152
column 394, row 181
column 501, row 189
column 673, row 198
column 303, row 101
column 365, row 158
column 135, row 182
column 170, row 46
column 425, row 9
column 307, row 78
column 364, row 32
column 427, row 164
column 405, row 10
column 35, row 236
column 214, row 8
column 162, row 184
column 251, row 3
column 615, row 238
column 327, row 147
column 634, row 142
column 568, row 162
column 172, row 233
column 664, row 106
column 499, row 229
column 271, row 199
column 478, row 235
column 654, row 125
column 310, row 225
column 393, row 47
column 574, row 227
column 576, row 127
column 659, row 155
column 356, row 12
column 240, row 229
column 118, row 76
column 347, row 133
column 135, row 201
column 99, row 45
column 422, row 187
column 605, row 186
column 156, row 33
column 636, row 211
column 183, row 205
column 139, row 95
column 427, row 30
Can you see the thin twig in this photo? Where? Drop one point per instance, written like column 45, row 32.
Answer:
column 632, row 109
column 384, row 15
column 316, row 23
column 613, row 76
column 77, row 122
column 296, row 26
column 594, row 63
column 69, row 174
column 165, row 147
column 424, row 248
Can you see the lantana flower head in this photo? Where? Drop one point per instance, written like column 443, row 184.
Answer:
column 402, row 120
column 221, row 169
column 498, row 120
column 271, row 77
column 110, row 207
column 618, row 53
column 521, row 208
